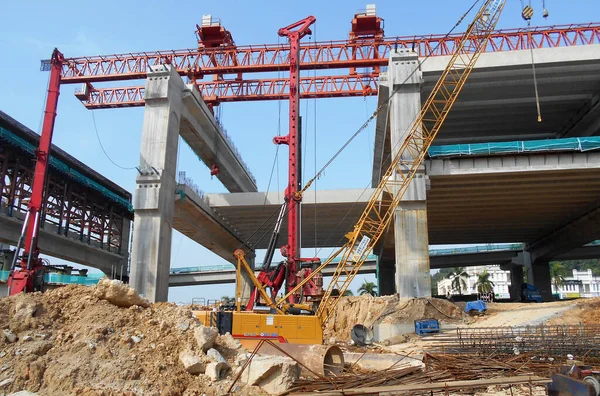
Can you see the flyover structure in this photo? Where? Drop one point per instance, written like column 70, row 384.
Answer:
column 546, row 198
column 86, row 217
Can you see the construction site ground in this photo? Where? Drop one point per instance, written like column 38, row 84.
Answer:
column 106, row 340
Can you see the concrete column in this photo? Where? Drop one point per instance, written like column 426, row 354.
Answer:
column 386, row 270
column 538, row 275
column 516, row 280
column 155, row 186
column 246, row 284
column 410, row 227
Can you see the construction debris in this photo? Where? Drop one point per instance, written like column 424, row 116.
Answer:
column 119, row 294
column 192, row 363
column 80, row 343
column 205, row 337
column 430, row 388
column 274, row 374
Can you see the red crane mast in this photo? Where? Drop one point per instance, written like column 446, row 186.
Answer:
column 27, row 271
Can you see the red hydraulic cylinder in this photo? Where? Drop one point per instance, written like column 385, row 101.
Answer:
column 291, row 251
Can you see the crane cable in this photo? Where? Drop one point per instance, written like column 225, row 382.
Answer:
column 526, row 14
column 360, row 129
column 382, row 105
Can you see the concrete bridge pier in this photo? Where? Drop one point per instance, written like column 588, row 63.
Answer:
column 538, row 274
column 155, row 185
column 386, row 275
column 410, row 221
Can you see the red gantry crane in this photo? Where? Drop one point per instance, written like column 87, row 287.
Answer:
column 217, row 55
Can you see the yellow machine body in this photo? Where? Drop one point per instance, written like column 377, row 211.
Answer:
column 249, row 327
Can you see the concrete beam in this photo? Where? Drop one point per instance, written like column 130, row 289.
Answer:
column 198, row 221
column 578, row 231
column 220, row 277
column 586, row 122
column 512, row 164
column 472, row 259
column 369, row 267
column 59, row 246
column 581, row 253
column 208, row 141
column 381, row 149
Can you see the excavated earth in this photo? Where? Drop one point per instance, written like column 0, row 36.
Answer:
column 103, row 340
column 368, row 310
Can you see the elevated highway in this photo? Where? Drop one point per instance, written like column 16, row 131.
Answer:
column 86, row 217
column 496, row 254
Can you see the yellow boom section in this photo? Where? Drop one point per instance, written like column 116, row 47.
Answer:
column 407, row 159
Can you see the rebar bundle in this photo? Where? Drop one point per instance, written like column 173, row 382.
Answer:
column 540, row 342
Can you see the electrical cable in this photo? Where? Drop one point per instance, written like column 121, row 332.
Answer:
column 102, row 147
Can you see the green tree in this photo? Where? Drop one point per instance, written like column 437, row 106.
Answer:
column 367, row 288
column 558, row 273
column 348, row 293
column 458, row 276
column 484, row 284
column 227, row 300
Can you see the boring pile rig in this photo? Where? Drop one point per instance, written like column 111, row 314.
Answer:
column 375, row 219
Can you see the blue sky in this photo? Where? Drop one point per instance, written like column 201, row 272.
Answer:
column 30, row 30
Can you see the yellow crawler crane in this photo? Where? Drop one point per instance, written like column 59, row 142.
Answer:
column 382, row 205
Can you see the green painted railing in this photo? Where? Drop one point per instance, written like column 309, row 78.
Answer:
column 516, row 147
column 90, row 279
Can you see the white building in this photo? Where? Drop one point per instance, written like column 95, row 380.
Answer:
column 500, row 278
column 582, row 284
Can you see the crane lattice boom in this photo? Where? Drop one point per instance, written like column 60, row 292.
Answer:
column 408, row 158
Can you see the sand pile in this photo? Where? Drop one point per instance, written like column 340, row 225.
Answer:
column 369, row 310
column 75, row 340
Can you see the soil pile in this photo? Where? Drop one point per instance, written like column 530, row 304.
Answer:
column 368, row 310
column 72, row 340
column 584, row 311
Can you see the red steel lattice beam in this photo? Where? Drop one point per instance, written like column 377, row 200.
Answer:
column 321, row 55
column 215, row 92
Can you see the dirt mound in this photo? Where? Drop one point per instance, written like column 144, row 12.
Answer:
column 584, row 311
column 369, row 310
column 72, row 340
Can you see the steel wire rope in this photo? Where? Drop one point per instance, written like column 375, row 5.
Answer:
column 360, row 129
column 377, row 110
column 271, row 176
column 104, row 150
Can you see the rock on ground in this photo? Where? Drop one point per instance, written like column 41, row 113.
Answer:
column 119, row 294
column 215, row 356
column 274, row 374
column 205, row 337
column 217, row 370
column 192, row 363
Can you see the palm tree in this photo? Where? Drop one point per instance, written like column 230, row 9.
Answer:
column 348, row 293
column 458, row 276
column 484, row 284
column 367, row 288
column 558, row 273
